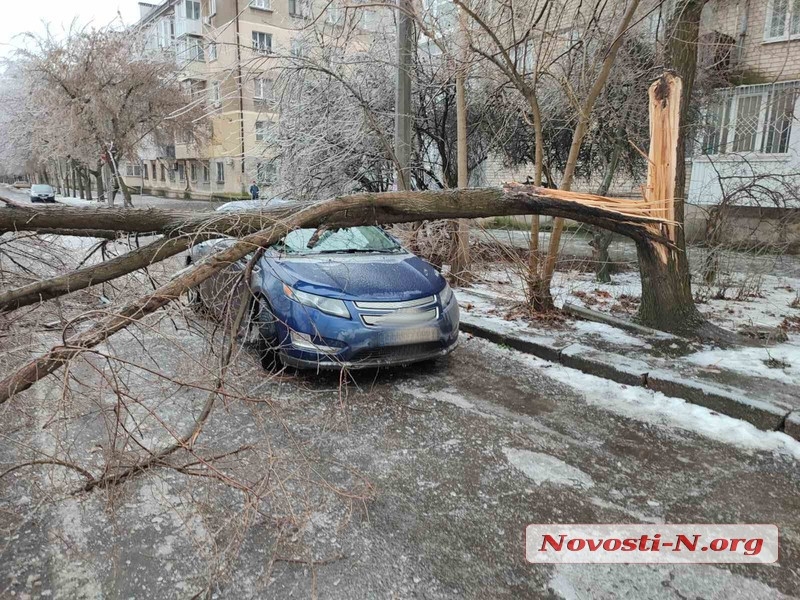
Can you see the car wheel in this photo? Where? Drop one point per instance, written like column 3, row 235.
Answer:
column 268, row 342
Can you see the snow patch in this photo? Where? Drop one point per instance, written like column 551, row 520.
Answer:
column 543, row 468
column 753, row 362
column 647, row 406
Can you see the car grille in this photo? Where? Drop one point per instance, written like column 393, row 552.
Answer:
column 398, row 314
column 384, row 306
column 398, row 353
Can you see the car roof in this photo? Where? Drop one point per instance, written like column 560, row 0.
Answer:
column 254, row 205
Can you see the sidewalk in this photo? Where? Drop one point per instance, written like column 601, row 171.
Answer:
column 739, row 382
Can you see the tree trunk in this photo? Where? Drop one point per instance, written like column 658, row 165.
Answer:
column 98, row 178
column 667, row 300
column 601, row 239
column 675, row 287
column 126, row 192
column 87, row 181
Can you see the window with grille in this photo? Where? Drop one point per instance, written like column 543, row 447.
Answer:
column 262, row 42
column 220, row 172
column 751, row 119
column 783, row 20
column 212, row 51
column 262, row 4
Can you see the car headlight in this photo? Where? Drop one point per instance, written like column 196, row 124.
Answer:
column 446, row 294
column 331, row 306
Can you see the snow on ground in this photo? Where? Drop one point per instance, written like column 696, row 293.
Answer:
column 655, row 408
column 781, row 362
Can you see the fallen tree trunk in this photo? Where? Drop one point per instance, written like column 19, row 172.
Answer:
column 472, row 203
column 359, row 209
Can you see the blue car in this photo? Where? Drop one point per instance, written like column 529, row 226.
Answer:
column 329, row 299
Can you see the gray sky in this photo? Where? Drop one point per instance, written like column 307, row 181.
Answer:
column 19, row 16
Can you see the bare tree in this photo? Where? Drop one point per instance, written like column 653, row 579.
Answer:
column 95, row 95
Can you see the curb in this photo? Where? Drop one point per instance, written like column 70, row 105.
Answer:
column 763, row 415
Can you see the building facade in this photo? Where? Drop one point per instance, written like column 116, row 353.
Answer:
column 228, row 55
column 749, row 133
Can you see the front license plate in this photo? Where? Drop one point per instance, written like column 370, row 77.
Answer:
column 412, row 335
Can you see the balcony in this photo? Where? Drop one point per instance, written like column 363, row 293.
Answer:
column 184, row 27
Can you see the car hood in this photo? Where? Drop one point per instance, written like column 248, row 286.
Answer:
column 360, row 277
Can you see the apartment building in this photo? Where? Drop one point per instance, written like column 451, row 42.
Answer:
column 750, row 131
column 228, row 54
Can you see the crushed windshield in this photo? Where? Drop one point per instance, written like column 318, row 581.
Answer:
column 345, row 240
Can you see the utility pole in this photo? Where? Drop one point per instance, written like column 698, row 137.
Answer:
column 460, row 263
column 403, row 115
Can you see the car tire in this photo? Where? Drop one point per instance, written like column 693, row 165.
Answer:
column 268, row 342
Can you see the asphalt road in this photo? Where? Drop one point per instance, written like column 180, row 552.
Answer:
column 22, row 195
column 408, row 483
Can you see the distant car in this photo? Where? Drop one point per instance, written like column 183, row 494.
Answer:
column 350, row 297
column 21, row 184
column 42, row 193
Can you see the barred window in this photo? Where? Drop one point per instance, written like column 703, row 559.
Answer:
column 754, row 118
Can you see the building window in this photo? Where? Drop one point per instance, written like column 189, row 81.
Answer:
column 212, row 51
column 220, row 171
column 193, row 171
column 215, row 94
column 163, row 173
column 296, row 48
column 191, row 49
column 267, row 173
column 299, row 8
column 171, row 172
column 261, row 131
column 261, row 4
column 754, row 118
column 262, row 88
column 133, row 170
column 262, row 42
column 145, row 171
column 206, row 173
column 332, row 13
column 192, row 9
column 165, row 32
column 783, row 20
column 181, row 172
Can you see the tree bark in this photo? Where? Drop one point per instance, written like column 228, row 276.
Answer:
column 667, row 301
column 667, row 295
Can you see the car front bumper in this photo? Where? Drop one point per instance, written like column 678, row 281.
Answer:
column 350, row 344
